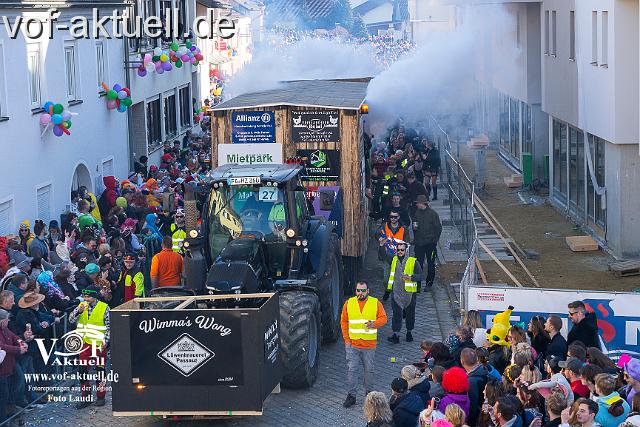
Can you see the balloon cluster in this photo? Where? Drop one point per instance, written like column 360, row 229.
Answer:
column 161, row 59
column 118, row 98
column 198, row 115
column 55, row 115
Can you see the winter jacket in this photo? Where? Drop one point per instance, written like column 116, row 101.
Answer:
column 436, row 390
column 498, row 358
column 461, row 400
column 429, row 227
column 406, row 409
column 8, row 343
column 110, row 193
column 557, row 347
column 540, row 343
column 83, row 280
column 422, row 389
column 380, row 423
column 477, row 382
column 150, row 223
column 455, row 355
column 603, row 417
column 493, row 372
column 4, row 258
column 585, row 331
column 39, row 248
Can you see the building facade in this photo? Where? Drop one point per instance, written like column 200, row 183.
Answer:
column 39, row 170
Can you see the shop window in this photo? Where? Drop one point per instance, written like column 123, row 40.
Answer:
column 170, row 127
column 154, row 126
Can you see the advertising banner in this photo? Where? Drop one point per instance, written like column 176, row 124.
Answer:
column 186, row 348
column 320, row 165
column 253, row 127
column 617, row 312
column 249, row 154
column 315, row 126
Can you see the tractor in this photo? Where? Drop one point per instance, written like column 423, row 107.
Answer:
column 257, row 235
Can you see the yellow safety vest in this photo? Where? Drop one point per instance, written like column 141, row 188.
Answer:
column 409, row 285
column 177, row 237
column 92, row 328
column 358, row 320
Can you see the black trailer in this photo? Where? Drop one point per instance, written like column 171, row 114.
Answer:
column 178, row 356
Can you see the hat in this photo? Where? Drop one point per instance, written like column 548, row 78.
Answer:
column 166, row 157
column 92, row 268
column 632, row 368
column 4, row 314
column 422, row 199
column 500, row 328
column 399, row 385
column 153, row 168
column 30, row 299
column 573, row 364
column 24, row 263
column 92, row 291
column 25, row 225
column 412, row 374
column 121, row 202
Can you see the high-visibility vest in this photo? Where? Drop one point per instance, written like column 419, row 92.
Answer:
column 92, row 328
column 398, row 236
column 409, row 285
column 357, row 319
column 177, row 237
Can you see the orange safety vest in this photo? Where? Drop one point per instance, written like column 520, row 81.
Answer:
column 397, row 237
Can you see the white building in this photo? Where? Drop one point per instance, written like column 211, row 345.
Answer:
column 39, row 172
column 428, row 16
column 562, row 77
column 384, row 17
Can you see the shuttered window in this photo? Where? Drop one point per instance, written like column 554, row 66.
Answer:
column 43, row 200
column 107, row 168
column 5, row 218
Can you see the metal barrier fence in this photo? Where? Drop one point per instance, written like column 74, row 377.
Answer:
column 461, row 194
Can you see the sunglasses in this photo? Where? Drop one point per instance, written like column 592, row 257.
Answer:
column 362, row 291
column 571, row 314
column 401, row 250
column 394, row 217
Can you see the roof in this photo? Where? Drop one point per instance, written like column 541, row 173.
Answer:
column 400, row 8
column 310, row 8
column 345, row 94
column 368, row 6
column 278, row 173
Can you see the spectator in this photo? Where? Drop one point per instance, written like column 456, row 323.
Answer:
column 66, row 283
column 85, row 253
column 427, row 230
column 540, row 338
column 132, row 282
column 465, row 340
column 18, row 285
column 405, row 219
column 39, row 247
column 558, row 345
column 108, row 197
column 612, row 409
column 634, row 416
column 435, row 384
column 417, row 382
column 456, row 386
column 87, row 277
column 455, row 415
column 632, row 378
column 473, row 320
column 555, row 404
column 389, row 235
column 584, row 412
column 585, row 327
column 588, row 375
column 54, row 234
column 477, row 374
column 483, row 357
column 377, row 411
column 504, row 413
column 406, row 406
column 25, row 235
column 415, row 188
column 556, row 379
column 166, row 266
column 440, row 354
column 578, row 351
column 597, row 357
column 571, row 371
column 12, row 347
column 86, row 219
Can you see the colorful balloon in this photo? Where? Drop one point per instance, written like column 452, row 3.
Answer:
column 164, row 57
column 58, row 108
column 45, row 118
column 122, row 108
column 56, row 119
column 111, row 104
column 121, row 94
column 160, row 70
column 174, row 46
column 117, row 87
column 167, row 66
column 66, row 115
column 47, row 105
column 142, row 72
column 178, row 64
column 57, row 131
column 67, row 124
column 185, row 58
column 157, row 51
column 127, row 102
column 147, row 58
column 189, row 44
column 112, row 94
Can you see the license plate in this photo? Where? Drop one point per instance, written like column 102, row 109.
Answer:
column 244, row 180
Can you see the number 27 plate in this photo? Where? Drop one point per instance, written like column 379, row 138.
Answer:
column 244, row 180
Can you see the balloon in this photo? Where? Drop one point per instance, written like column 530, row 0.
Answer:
column 112, row 94
column 160, row 70
column 164, row 57
column 150, row 67
column 199, row 57
column 117, row 87
column 122, row 108
column 174, row 58
column 189, row 44
column 174, row 46
column 192, row 48
column 167, row 66
column 65, row 130
column 157, row 51
column 196, row 63
column 57, row 131
column 155, row 58
column 104, row 86
column 178, row 64
column 51, row 109
column 147, row 58
column 67, row 124
column 192, row 60
column 126, row 89
column 158, row 66
column 47, row 105
column 63, row 124
column 111, row 104
column 58, row 108
column 56, row 119
column 142, row 72
column 122, row 94
column 127, row 102
column 45, row 118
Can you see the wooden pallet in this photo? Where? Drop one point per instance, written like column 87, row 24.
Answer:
column 625, row 268
column 581, row 243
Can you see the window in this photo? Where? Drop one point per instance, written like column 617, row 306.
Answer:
column 554, row 34
column 594, row 202
column 504, row 122
column 514, row 148
column 546, row 32
column 594, row 37
column 71, row 71
column 33, row 65
column 43, row 203
column 527, row 115
column 560, row 160
column 6, row 217
column 170, row 128
column 101, row 65
column 604, row 59
column 576, row 169
column 572, row 35
column 153, row 123
column 185, row 107
column 107, row 168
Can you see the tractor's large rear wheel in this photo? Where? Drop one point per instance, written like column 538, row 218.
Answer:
column 330, row 288
column 299, row 338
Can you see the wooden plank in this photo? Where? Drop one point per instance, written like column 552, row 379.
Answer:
column 488, row 214
column 581, row 243
column 501, row 265
column 204, row 297
column 481, row 270
column 184, row 303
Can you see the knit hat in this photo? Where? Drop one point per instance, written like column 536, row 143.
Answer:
column 632, row 368
column 455, row 380
column 25, row 224
column 92, row 291
column 92, row 268
column 121, row 202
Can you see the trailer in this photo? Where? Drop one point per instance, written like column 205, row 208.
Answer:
column 320, row 125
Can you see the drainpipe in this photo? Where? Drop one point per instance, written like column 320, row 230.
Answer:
column 127, row 79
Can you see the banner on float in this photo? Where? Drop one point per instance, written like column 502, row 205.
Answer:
column 253, row 127
column 249, row 154
column 618, row 314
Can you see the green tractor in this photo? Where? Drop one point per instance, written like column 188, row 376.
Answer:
column 258, row 235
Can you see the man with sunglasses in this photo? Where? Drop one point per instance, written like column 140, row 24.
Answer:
column 362, row 316
column 178, row 231
column 403, row 277
column 585, row 325
column 390, row 234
